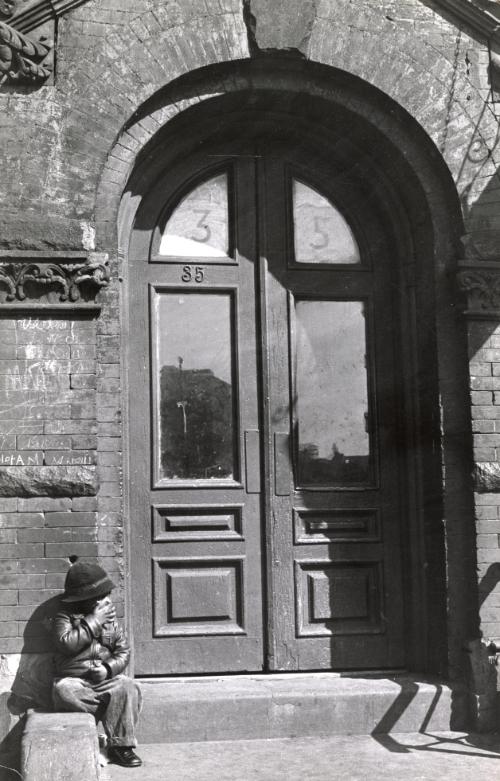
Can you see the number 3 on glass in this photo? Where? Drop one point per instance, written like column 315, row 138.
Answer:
column 193, row 274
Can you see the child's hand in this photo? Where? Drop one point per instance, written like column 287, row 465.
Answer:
column 105, row 611
column 98, row 673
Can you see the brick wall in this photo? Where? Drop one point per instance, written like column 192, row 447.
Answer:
column 484, row 348
column 59, row 390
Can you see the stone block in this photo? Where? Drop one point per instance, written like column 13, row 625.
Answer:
column 48, row 481
column 60, row 747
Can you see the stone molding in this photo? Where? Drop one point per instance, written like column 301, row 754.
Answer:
column 42, row 11
column 67, row 274
column 481, row 284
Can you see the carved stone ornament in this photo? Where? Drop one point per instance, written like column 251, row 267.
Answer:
column 23, row 60
column 72, row 282
column 482, row 287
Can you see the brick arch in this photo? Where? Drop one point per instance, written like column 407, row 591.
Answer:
column 410, row 70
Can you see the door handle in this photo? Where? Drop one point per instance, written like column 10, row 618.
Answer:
column 252, row 461
column 281, row 463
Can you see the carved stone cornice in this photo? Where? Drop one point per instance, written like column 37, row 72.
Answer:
column 41, row 278
column 481, row 284
column 39, row 12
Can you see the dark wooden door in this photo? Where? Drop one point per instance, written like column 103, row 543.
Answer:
column 265, row 488
column 332, row 425
column 195, row 474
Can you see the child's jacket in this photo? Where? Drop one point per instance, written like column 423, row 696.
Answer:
column 81, row 641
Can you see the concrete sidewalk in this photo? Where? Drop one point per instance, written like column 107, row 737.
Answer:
column 451, row 756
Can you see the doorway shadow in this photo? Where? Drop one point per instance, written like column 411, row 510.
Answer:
column 431, row 740
column 30, row 689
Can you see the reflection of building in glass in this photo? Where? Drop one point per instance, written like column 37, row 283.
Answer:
column 196, row 424
column 329, row 471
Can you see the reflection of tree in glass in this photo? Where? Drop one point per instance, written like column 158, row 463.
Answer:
column 196, row 424
column 339, row 469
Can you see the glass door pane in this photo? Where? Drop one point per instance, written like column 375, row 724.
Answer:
column 195, row 436
column 331, row 391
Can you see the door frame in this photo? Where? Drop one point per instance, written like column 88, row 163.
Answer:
column 419, row 281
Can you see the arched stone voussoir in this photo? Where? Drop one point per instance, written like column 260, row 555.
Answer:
column 417, row 76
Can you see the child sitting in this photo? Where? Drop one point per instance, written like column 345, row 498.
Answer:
column 91, row 655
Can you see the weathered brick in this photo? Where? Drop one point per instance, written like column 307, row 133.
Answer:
column 79, row 411
column 7, row 441
column 8, row 597
column 12, row 645
column 110, row 490
column 109, row 429
column 87, row 366
column 58, row 534
column 110, row 458
column 70, row 427
column 36, row 597
column 39, row 566
column 481, row 397
column 82, row 549
column 44, row 442
column 83, row 381
column 8, row 535
column 487, row 541
column 109, row 443
column 108, row 347
column 83, row 351
column 108, row 385
column 17, row 551
column 484, row 454
column 15, row 581
column 70, row 518
column 55, row 580
column 85, row 503
column 43, row 503
column 108, row 504
column 35, row 352
column 84, row 442
column 483, row 426
column 486, row 440
column 484, row 383
column 21, row 519
column 108, row 414
column 480, row 369
column 8, row 505
column 111, row 370
column 7, row 628
column 70, row 457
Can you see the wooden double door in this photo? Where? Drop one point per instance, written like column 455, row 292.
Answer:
column 265, row 483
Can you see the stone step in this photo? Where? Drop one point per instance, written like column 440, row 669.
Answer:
column 303, row 705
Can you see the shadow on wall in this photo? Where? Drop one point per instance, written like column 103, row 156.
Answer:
column 31, row 687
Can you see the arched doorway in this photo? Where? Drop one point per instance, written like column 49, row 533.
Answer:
column 277, row 466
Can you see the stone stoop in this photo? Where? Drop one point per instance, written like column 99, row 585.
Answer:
column 59, row 747
column 306, row 705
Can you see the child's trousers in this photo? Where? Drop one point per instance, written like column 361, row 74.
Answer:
column 116, row 702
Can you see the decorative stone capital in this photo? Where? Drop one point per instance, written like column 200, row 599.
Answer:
column 22, row 59
column 71, row 278
column 481, row 284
